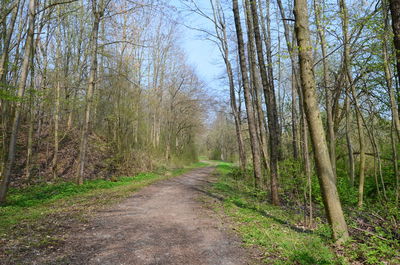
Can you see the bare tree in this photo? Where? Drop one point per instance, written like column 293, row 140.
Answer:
column 246, row 87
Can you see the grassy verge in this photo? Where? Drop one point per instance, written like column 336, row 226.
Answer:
column 278, row 233
column 37, row 216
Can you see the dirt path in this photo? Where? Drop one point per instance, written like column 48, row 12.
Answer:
column 164, row 223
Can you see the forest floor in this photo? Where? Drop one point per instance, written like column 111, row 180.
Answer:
column 168, row 222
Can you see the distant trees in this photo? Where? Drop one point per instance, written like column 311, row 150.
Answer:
column 343, row 95
column 17, row 110
column 99, row 87
column 93, row 88
column 98, row 9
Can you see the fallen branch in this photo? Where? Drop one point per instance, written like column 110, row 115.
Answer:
column 369, row 232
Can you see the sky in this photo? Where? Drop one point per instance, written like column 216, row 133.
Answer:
column 202, row 54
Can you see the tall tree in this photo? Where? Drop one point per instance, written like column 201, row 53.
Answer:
column 247, row 96
column 395, row 12
column 326, row 176
column 98, row 9
column 7, row 171
column 318, row 11
column 220, row 30
column 270, row 100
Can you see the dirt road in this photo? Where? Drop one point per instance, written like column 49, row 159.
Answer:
column 165, row 223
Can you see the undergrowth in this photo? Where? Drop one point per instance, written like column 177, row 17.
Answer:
column 36, row 217
column 279, row 233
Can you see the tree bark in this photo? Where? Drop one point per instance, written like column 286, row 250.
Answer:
column 326, row 176
column 295, row 82
column 388, row 73
column 248, row 102
column 220, row 29
column 350, row 85
column 394, row 6
column 255, row 84
column 18, row 106
column 270, row 100
column 98, row 11
column 328, row 94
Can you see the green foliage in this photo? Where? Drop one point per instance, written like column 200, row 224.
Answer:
column 8, row 95
column 34, row 203
column 348, row 194
column 216, row 154
column 276, row 231
column 37, row 201
column 40, row 194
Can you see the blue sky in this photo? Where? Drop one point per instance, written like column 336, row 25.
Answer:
column 202, row 54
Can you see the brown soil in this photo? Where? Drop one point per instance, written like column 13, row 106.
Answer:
column 165, row 223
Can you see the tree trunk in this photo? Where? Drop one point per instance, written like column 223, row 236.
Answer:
column 248, row 102
column 31, row 122
column 98, row 12
column 57, row 98
column 350, row 84
column 254, row 78
column 270, row 100
column 326, row 176
column 328, row 94
column 295, row 80
column 18, row 106
column 394, row 6
column 395, row 163
column 220, row 29
column 388, row 73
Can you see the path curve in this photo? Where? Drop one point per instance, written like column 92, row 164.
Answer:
column 165, row 223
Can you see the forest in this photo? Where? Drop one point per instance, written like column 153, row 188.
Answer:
column 305, row 118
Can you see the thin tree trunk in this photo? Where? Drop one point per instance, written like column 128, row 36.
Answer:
column 350, row 149
column 326, row 176
column 98, row 12
column 248, row 102
column 294, row 112
column 394, row 6
column 328, row 102
column 295, row 79
column 350, row 84
column 57, row 99
column 270, row 100
column 254, row 78
column 220, row 29
column 395, row 163
column 18, row 106
column 31, row 123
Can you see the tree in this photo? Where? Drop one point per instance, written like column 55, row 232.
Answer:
column 270, row 100
column 97, row 13
column 7, row 171
column 326, row 176
column 246, row 87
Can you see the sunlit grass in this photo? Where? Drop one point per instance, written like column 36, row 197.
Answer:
column 276, row 231
column 30, row 204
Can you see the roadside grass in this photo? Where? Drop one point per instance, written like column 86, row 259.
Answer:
column 37, row 216
column 278, row 233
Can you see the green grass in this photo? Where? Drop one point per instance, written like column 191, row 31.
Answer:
column 27, row 206
column 277, row 232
